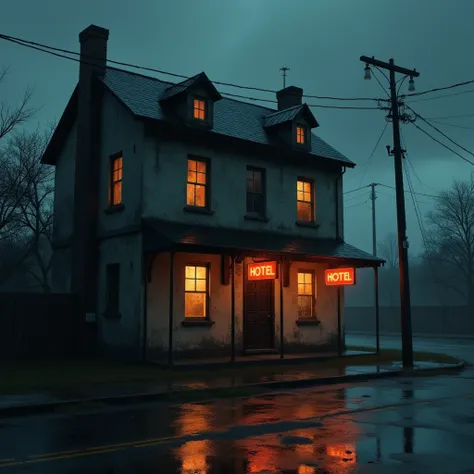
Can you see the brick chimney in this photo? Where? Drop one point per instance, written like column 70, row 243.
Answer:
column 289, row 97
column 93, row 55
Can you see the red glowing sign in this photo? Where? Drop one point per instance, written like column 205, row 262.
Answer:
column 262, row 271
column 339, row 276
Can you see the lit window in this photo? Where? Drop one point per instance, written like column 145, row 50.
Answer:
column 199, row 109
column 255, row 192
column 196, row 291
column 305, row 201
column 306, row 296
column 196, row 189
column 300, row 135
column 116, row 171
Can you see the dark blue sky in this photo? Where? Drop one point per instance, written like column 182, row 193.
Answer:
column 247, row 41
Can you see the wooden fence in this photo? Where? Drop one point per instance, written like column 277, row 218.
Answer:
column 36, row 326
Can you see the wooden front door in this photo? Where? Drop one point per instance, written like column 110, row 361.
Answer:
column 259, row 314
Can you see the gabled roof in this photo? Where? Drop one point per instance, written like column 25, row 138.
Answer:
column 142, row 95
column 288, row 115
column 242, row 120
column 62, row 130
column 187, row 85
column 160, row 235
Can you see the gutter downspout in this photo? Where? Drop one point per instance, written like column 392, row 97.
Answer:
column 338, row 237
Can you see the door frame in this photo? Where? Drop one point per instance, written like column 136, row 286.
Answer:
column 270, row 349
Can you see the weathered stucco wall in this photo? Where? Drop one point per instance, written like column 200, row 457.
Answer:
column 216, row 339
column 122, row 337
column 120, row 132
column 164, row 177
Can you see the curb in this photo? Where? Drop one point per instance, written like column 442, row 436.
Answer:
column 419, row 335
column 200, row 394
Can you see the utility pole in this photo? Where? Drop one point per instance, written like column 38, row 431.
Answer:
column 373, row 197
column 405, row 303
column 284, row 69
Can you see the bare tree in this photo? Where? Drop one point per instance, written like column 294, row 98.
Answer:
column 388, row 249
column 12, row 116
column 450, row 239
column 36, row 206
column 11, row 184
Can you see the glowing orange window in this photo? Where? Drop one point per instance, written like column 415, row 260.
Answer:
column 196, row 184
column 199, row 109
column 300, row 135
column 305, row 200
column 116, row 171
column 196, row 285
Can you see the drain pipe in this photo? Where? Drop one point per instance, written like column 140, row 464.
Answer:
column 338, row 237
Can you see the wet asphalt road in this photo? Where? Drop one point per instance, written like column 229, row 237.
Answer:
column 462, row 348
column 390, row 426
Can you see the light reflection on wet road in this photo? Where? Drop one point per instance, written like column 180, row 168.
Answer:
column 392, row 425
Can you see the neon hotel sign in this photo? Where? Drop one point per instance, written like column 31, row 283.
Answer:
column 332, row 276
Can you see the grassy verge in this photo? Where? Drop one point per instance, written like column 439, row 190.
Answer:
column 76, row 377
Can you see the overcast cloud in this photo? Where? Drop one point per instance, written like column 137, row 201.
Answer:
column 247, row 41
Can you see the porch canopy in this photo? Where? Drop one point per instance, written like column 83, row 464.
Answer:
column 164, row 236
column 160, row 236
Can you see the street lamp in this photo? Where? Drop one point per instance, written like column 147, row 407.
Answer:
column 411, row 85
column 367, row 75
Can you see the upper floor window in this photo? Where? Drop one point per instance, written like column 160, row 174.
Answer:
column 255, row 191
column 305, row 200
column 199, row 109
column 196, row 295
column 300, row 135
column 197, row 183
column 306, row 294
column 116, row 175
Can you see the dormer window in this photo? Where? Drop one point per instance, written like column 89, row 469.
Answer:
column 199, row 109
column 300, row 135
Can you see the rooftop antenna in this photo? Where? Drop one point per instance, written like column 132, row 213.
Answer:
column 284, row 69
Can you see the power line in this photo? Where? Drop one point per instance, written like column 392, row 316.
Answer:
column 37, row 46
column 442, row 96
column 452, row 125
column 442, row 144
column 440, row 132
column 437, row 89
column 419, row 194
column 450, row 117
column 357, row 189
column 367, row 163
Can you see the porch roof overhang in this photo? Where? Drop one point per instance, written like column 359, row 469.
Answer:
column 161, row 236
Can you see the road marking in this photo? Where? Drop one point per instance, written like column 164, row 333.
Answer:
column 96, row 450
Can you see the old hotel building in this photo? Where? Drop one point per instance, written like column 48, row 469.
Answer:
column 194, row 225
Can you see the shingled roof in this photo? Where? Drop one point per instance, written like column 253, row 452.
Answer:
column 160, row 235
column 287, row 115
column 237, row 119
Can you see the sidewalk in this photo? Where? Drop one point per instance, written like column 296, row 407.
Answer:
column 232, row 385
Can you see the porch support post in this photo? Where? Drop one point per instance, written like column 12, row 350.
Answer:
column 171, row 301
column 377, row 309
column 232, row 309
column 339, row 322
column 282, row 349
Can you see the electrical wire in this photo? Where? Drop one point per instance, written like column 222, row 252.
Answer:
column 437, row 89
column 417, row 193
column 452, row 125
column 45, row 48
column 421, row 226
column 442, row 96
column 367, row 163
column 442, row 144
column 357, row 205
column 441, row 133
column 450, row 117
column 357, row 189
